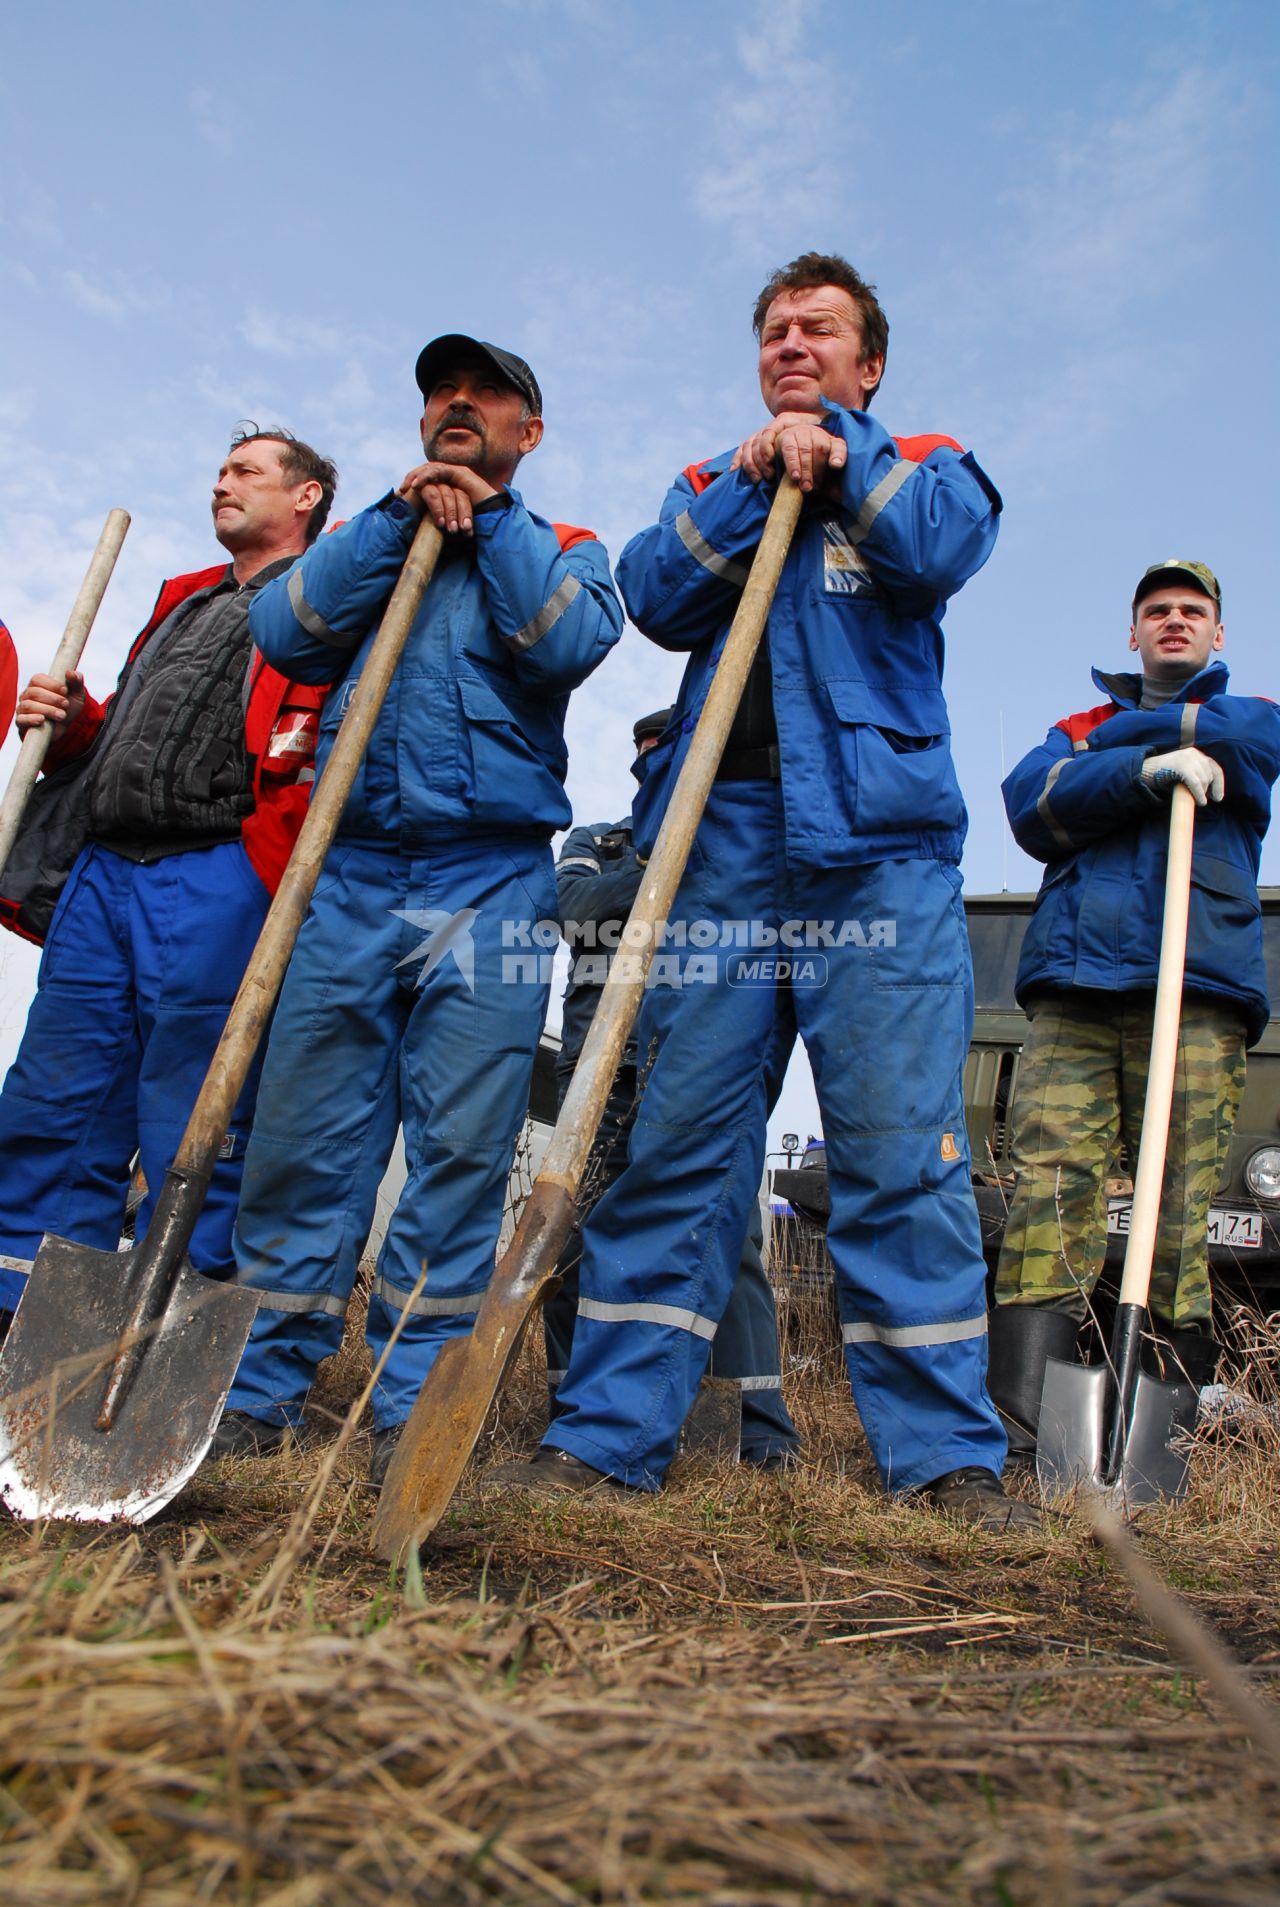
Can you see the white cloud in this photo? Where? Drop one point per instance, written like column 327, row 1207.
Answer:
column 283, row 334
column 212, row 120
column 773, row 132
column 115, row 301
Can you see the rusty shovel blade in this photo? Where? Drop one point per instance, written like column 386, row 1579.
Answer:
column 1072, row 1441
column 54, row 1460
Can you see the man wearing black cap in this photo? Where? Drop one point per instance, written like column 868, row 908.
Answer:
column 598, row 876
column 407, row 1001
column 1092, row 803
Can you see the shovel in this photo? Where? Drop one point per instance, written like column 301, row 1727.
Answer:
column 1110, row 1426
column 36, row 742
column 454, row 1401
column 71, row 1444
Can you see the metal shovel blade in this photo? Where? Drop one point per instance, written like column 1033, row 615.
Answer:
column 54, row 1461
column 1157, row 1450
column 1071, row 1437
column 1075, row 1409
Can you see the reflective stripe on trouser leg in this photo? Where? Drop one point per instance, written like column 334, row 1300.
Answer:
column 887, row 1037
column 327, row 1116
column 466, row 1065
column 669, row 1233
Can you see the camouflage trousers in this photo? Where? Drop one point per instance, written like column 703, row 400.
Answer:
column 1081, row 1084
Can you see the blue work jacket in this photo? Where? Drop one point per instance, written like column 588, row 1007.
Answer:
column 854, row 635
column 471, row 737
column 1078, row 803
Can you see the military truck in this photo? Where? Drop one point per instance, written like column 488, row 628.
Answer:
column 1244, row 1223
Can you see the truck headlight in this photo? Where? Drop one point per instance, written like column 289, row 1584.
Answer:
column 1262, row 1173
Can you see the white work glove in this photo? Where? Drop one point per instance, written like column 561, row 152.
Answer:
column 1192, row 768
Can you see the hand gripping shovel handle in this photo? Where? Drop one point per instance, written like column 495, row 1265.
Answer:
column 159, row 1256
column 1135, row 1281
column 36, row 741
column 451, row 1407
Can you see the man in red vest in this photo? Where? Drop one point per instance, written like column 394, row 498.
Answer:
column 146, row 865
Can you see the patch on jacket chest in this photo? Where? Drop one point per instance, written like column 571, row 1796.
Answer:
column 843, row 571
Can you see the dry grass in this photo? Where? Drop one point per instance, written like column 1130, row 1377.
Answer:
column 747, row 1690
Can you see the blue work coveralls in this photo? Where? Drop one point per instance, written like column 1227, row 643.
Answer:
column 597, row 878
column 826, row 900
column 412, row 996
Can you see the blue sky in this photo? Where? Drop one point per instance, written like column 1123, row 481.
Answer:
column 263, row 211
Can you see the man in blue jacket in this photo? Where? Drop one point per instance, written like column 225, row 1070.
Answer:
column 1092, row 802
column 404, row 1002
column 832, row 838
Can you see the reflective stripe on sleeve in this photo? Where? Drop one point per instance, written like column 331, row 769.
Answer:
column 314, row 625
column 547, row 617
column 578, row 860
column 1046, row 813
column 303, row 1301
column 671, row 1314
column 1187, row 729
column 909, row 1337
column 874, row 501
column 397, row 1300
column 698, row 547
column 14, row 1264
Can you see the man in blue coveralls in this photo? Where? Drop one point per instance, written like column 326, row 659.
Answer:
column 832, row 836
column 403, row 1001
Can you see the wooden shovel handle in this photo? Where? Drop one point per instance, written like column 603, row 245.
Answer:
column 1149, row 1177
column 566, row 1155
column 262, row 977
column 37, row 741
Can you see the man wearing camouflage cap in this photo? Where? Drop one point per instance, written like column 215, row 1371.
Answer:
column 1092, row 803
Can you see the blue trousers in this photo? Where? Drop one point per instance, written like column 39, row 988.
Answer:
column 885, row 1009
column 405, row 1001
column 746, row 1348
column 136, row 979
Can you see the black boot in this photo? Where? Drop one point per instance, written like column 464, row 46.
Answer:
column 1181, row 1356
column 1021, row 1339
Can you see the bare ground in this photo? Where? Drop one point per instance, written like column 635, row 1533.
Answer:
column 746, row 1690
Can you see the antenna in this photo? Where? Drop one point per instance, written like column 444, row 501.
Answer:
column 1004, row 832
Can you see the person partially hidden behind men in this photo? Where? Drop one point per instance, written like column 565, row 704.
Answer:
column 1092, row 802
column 403, row 1001
column 146, row 865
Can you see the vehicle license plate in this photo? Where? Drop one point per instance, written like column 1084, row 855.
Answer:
column 1241, row 1230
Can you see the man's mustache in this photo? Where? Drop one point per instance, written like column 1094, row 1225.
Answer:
column 459, row 414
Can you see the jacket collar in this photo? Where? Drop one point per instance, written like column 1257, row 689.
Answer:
column 1126, row 689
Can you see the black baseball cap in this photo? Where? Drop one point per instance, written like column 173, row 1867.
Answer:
column 441, row 352
column 649, row 727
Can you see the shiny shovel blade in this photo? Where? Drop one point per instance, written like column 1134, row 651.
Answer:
column 1075, row 1413
column 54, row 1461
column 1070, row 1441
column 1157, row 1451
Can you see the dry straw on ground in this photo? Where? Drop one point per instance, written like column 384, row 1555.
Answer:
column 747, row 1690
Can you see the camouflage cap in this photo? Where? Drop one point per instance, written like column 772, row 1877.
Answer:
column 1199, row 575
